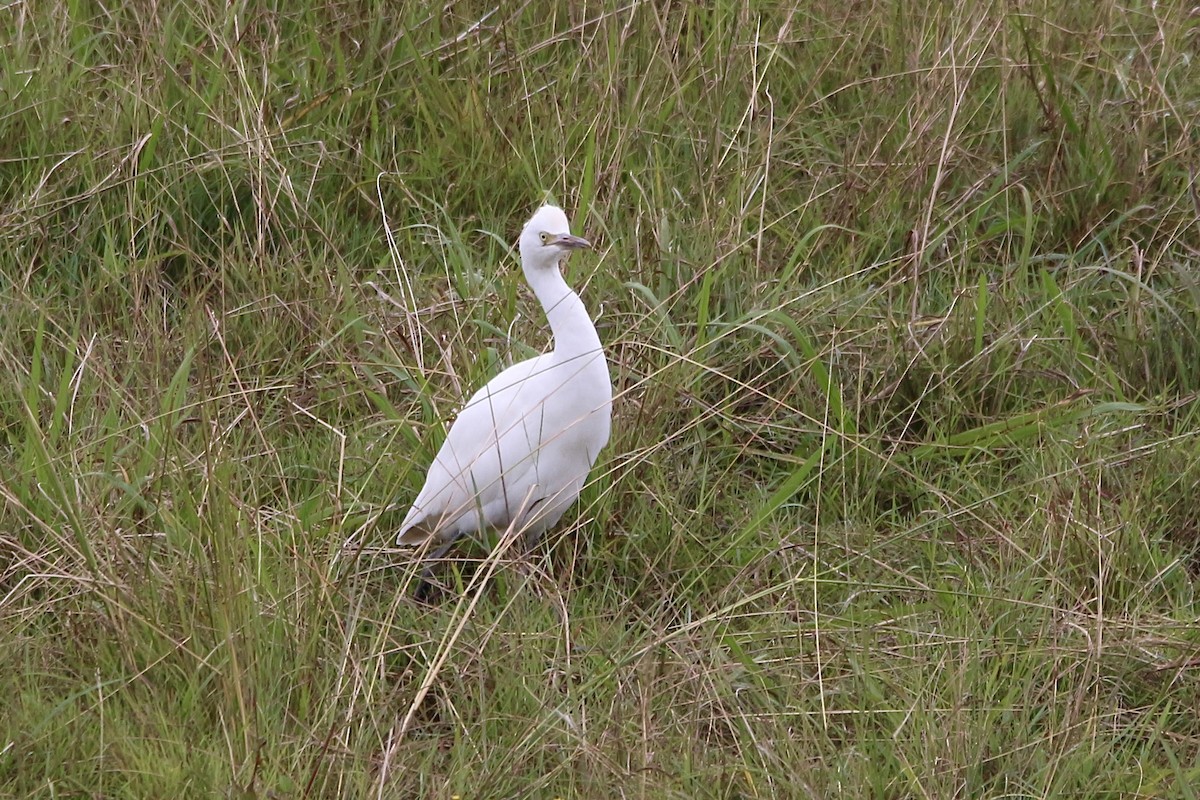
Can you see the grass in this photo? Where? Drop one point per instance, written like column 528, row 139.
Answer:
column 901, row 303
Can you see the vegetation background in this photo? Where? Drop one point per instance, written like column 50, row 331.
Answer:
column 901, row 300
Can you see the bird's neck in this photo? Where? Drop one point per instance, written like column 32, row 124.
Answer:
column 574, row 333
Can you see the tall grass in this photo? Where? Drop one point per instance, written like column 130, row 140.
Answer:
column 901, row 302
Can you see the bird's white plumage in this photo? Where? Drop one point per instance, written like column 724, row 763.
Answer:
column 521, row 448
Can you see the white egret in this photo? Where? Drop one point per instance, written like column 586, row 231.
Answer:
column 522, row 447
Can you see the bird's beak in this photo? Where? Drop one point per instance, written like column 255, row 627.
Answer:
column 572, row 242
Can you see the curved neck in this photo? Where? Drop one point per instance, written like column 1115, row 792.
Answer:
column 574, row 333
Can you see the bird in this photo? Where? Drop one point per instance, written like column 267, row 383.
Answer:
column 520, row 450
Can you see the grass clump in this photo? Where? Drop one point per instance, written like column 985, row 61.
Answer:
column 901, row 306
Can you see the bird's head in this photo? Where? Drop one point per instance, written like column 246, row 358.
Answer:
column 546, row 239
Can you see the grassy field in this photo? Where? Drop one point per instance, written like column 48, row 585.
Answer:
column 901, row 302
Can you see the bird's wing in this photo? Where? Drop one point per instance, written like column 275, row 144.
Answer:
column 494, row 435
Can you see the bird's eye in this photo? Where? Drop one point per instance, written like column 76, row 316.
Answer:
column 545, row 237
